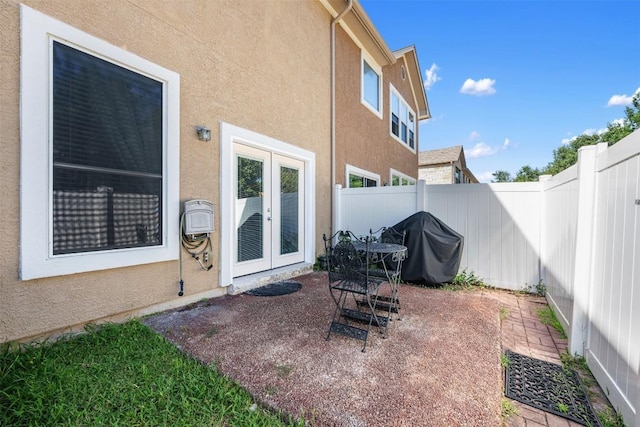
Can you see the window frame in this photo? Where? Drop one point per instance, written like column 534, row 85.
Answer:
column 401, row 176
column 377, row 110
column 38, row 31
column 353, row 170
column 409, row 127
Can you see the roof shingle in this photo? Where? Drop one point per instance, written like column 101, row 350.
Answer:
column 439, row 156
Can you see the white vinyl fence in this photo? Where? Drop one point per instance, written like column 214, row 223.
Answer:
column 501, row 228
column 500, row 223
column 558, row 238
column 362, row 209
column 613, row 303
column 577, row 233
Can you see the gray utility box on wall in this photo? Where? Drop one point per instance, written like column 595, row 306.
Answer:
column 198, row 217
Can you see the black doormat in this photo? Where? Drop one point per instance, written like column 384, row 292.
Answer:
column 278, row 288
column 549, row 387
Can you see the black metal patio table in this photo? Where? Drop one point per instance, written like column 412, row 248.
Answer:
column 390, row 256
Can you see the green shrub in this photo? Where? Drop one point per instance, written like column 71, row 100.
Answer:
column 467, row 279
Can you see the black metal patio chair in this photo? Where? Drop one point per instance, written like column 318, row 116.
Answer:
column 353, row 290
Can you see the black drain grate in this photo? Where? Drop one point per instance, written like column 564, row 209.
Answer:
column 549, row 387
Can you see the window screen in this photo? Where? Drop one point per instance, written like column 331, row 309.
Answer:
column 395, row 114
column 107, row 154
column 411, row 131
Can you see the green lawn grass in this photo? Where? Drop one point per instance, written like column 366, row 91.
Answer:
column 120, row 375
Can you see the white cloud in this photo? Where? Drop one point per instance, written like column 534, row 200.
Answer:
column 478, row 88
column 481, row 150
column 474, row 135
column 618, row 122
column 623, row 100
column 619, row 100
column 590, row 132
column 431, row 76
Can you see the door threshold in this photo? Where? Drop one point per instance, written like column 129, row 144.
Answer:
column 251, row 281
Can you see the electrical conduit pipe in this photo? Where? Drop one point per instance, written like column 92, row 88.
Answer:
column 334, row 22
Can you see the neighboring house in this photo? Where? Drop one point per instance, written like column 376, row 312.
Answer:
column 380, row 99
column 445, row 166
column 100, row 149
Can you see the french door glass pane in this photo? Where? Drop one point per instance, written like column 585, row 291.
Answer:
column 249, row 201
column 289, row 178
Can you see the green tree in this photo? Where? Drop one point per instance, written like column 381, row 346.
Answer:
column 527, row 174
column 616, row 131
column 567, row 155
column 501, row 176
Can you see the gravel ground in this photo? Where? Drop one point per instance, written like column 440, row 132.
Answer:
column 438, row 366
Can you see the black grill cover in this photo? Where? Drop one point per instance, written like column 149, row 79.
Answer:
column 434, row 249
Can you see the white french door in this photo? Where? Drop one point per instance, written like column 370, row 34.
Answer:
column 269, row 210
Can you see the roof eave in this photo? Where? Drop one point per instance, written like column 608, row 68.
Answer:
column 410, row 56
column 373, row 33
column 359, row 26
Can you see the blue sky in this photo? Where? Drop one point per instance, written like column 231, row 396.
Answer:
column 513, row 80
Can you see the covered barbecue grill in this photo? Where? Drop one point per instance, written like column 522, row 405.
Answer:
column 434, row 249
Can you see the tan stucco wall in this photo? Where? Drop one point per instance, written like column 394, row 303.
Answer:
column 362, row 138
column 261, row 65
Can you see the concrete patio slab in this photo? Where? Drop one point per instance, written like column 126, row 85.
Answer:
column 439, row 365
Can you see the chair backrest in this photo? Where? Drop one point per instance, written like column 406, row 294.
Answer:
column 391, row 235
column 343, row 260
column 388, row 235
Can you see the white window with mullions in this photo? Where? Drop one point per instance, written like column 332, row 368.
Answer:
column 400, row 179
column 360, row 178
column 100, row 160
column 403, row 120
